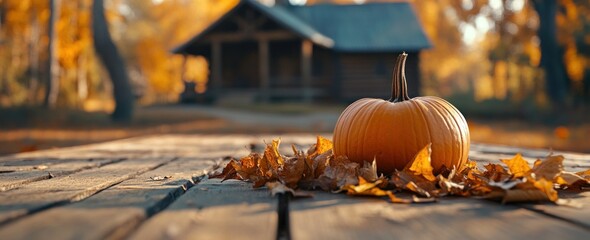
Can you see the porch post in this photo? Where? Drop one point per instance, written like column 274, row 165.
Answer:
column 216, row 80
column 263, row 69
column 306, row 52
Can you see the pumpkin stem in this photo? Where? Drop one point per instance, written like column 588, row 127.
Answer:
column 399, row 88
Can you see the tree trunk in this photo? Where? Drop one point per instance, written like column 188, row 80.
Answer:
column 52, row 82
column 556, row 80
column 109, row 55
column 33, row 59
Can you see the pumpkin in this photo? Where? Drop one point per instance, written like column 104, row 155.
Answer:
column 393, row 131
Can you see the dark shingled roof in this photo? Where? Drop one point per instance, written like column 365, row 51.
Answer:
column 371, row 27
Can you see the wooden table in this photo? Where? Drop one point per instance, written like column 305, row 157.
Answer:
column 112, row 190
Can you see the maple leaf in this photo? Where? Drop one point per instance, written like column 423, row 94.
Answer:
column 517, row 165
column 417, row 175
column 322, row 145
column 421, row 165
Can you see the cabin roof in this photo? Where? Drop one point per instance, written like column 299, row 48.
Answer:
column 371, row 27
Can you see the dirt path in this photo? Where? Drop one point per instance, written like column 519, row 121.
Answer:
column 42, row 133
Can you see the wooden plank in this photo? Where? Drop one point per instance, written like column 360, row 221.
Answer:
column 330, row 216
column 41, row 195
column 215, row 210
column 114, row 212
column 579, row 216
column 24, row 172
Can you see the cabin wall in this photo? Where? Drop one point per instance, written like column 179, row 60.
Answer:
column 369, row 75
column 239, row 63
column 285, row 64
column 322, row 69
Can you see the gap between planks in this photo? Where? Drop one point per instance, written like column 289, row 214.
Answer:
column 17, row 179
column 116, row 212
column 10, row 213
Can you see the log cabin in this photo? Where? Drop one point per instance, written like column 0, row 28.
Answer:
column 323, row 52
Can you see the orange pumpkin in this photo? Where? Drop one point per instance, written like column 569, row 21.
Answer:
column 393, row 131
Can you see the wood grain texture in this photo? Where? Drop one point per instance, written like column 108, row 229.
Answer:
column 40, row 195
column 116, row 211
column 330, row 216
column 215, row 210
column 32, row 170
column 579, row 216
column 119, row 200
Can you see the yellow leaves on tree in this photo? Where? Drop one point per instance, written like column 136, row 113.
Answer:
column 318, row 167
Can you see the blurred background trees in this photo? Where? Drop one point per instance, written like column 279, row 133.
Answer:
column 533, row 54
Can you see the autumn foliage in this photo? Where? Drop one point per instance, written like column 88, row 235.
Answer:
column 509, row 180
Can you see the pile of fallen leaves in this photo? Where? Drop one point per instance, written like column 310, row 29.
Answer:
column 319, row 168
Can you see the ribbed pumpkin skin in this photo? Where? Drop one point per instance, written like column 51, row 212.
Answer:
column 394, row 132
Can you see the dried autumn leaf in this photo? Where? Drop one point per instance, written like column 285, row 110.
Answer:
column 320, row 168
column 517, row 165
column 468, row 165
column 550, row 168
column 292, row 171
column 496, row 173
column 569, row 179
column 449, row 187
column 320, row 163
column 395, row 199
column 339, row 172
column 316, row 160
column 584, row 174
column 412, row 186
column 323, row 145
column 524, row 195
column 546, row 187
column 369, row 171
column 365, row 188
column 531, row 190
column 228, row 172
column 421, row 165
column 247, row 166
column 272, row 155
column 417, row 175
